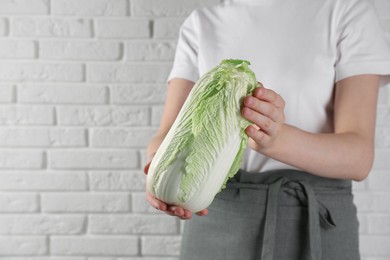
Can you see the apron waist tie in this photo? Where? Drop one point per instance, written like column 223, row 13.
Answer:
column 316, row 212
column 318, row 215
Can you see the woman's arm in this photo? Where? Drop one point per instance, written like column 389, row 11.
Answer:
column 348, row 153
column 178, row 91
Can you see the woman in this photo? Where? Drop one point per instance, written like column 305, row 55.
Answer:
column 321, row 64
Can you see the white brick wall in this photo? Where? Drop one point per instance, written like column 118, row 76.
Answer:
column 82, row 83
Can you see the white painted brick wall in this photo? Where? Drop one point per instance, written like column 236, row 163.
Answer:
column 82, row 84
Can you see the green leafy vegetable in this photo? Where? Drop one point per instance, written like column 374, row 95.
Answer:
column 205, row 145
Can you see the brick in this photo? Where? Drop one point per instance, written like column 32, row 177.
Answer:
column 88, row 7
column 150, row 50
column 94, row 245
column 374, row 245
column 157, row 112
column 17, row 49
column 160, row 245
column 379, row 224
column 167, row 7
column 66, row 137
column 85, row 202
column 114, row 180
column 123, row 28
column 24, row 7
column 134, row 73
column 132, row 224
column 22, row 202
column 379, row 180
column 3, row 27
column 21, row 159
column 43, row 181
column 26, row 115
column 42, row 137
column 19, row 137
column 51, row 27
column 79, row 50
column 382, row 161
column 138, row 94
column 103, row 116
column 7, row 93
column 122, row 137
column 372, row 202
column 62, row 94
column 382, row 137
column 41, row 224
column 93, row 159
column 33, row 71
column 167, row 28
column 18, row 245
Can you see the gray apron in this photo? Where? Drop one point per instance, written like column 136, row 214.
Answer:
column 276, row 215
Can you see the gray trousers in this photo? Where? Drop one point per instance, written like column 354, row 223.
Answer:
column 276, row 215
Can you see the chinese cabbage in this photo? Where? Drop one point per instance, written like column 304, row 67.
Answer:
column 206, row 143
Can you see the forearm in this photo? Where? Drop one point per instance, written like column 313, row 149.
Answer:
column 345, row 155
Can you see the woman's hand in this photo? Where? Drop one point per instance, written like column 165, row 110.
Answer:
column 169, row 209
column 265, row 108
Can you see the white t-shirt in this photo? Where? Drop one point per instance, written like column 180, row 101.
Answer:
column 299, row 48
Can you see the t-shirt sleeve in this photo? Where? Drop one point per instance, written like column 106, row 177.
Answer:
column 362, row 46
column 185, row 64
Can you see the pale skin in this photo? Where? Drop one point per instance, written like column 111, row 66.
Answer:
column 348, row 153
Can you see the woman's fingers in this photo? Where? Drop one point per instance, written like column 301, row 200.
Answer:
column 265, row 109
column 180, row 212
column 171, row 209
column 263, row 122
column 269, row 96
column 202, row 212
column 155, row 203
column 260, row 137
column 271, row 109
